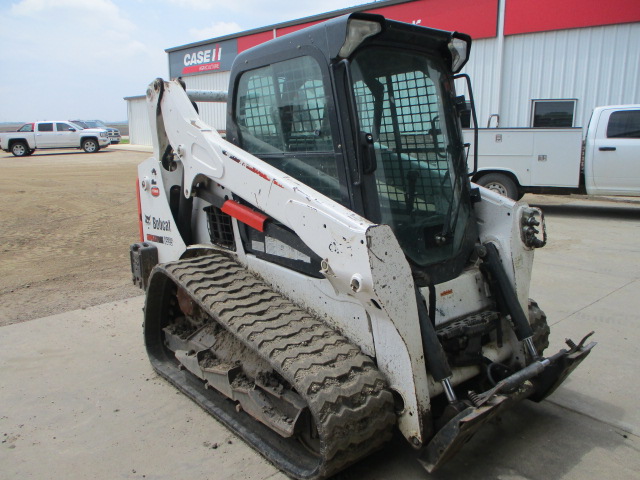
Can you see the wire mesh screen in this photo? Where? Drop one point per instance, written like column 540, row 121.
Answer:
column 403, row 99
column 258, row 105
column 410, row 144
column 284, row 104
column 220, row 227
column 283, row 117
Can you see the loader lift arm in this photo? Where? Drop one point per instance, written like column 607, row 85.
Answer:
column 358, row 257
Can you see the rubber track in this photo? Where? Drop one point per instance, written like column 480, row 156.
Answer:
column 344, row 391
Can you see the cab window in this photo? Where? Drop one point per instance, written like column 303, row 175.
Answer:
column 26, row 128
column 45, row 127
column 64, row 127
column 624, row 124
column 282, row 111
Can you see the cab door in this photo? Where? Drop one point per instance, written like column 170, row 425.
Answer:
column 616, row 152
column 45, row 135
column 66, row 135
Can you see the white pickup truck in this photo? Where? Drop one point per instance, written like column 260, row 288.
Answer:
column 53, row 134
column 602, row 160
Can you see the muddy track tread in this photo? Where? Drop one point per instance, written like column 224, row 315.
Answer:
column 343, row 440
column 204, row 267
column 271, row 322
column 232, row 287
column 215, row 272
column 207, row 260
column 380, row 411
column 345, row 409
column 352, row 384
column 309, row 362
column 334, row 342
column 232, row 311
column 344, row 391
column 268, row 330
column 236, row 294
column 293, row 335
column 355, row 364
column 314, row 357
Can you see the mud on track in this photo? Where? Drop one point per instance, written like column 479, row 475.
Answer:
column 67, row 219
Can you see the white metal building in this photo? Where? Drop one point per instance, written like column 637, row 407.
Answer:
column 544, row 63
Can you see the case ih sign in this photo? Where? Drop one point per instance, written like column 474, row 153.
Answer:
column 203, row 58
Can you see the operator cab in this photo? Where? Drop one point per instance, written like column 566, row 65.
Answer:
column 365, row 113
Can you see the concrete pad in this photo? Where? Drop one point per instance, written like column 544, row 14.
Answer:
column 551, row 283
column 606, row 385
column 79, row 400
column 531, row 441
column 587, row 279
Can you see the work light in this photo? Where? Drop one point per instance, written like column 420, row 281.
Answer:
column 357, row 32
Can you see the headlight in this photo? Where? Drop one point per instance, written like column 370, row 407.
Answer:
column 103, row 134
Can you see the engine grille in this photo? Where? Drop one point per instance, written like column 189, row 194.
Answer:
column 220, row 227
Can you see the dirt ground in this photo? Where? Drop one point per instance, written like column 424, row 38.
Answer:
column 67, row 219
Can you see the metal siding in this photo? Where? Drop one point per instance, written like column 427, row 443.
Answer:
column 597, row 66
column 139, row 129
column 483, row 70
column 215, row 114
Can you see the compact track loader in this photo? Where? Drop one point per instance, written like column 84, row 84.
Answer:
column 327, row 273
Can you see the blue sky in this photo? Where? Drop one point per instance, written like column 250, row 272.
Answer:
column 62, row 59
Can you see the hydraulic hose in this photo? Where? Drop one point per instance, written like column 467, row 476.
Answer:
column 433, row 351
column 504, row 291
